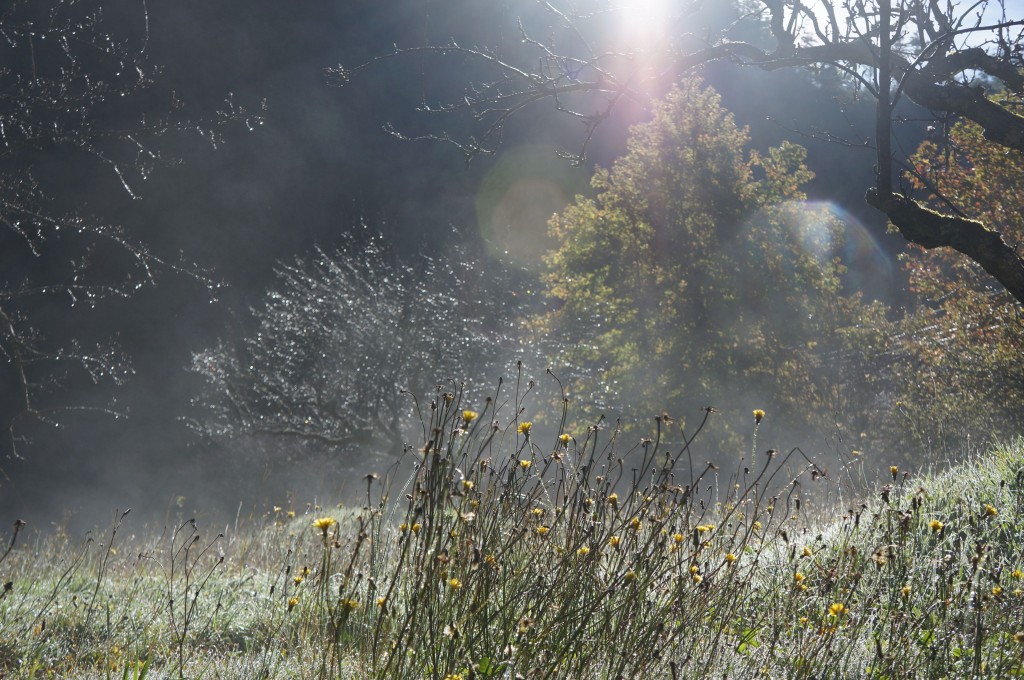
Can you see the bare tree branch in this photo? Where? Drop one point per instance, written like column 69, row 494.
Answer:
column 62, row 72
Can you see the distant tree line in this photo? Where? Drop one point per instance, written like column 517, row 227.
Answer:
column 695, row 275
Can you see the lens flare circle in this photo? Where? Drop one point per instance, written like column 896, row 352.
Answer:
column 517, row 198
column 869, row 268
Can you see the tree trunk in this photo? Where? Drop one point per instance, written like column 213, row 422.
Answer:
column 931, row 229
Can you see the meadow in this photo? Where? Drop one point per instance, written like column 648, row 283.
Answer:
column 593, row 555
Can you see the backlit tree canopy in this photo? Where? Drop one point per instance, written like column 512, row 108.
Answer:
column 696, row 276
column 962, row 369
column 944, row 56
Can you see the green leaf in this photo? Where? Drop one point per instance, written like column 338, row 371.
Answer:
column 489, row 668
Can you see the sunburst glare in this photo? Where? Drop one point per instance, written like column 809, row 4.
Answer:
column 643, row 25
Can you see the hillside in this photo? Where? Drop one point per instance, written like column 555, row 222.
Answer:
column 476, row 569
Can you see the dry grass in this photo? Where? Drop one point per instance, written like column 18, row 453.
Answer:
column 503, row 558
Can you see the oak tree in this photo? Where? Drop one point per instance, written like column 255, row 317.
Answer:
column 958, row 354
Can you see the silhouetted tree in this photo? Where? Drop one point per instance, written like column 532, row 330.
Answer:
column 942, row 56
column 75, row 99
column 346, row 341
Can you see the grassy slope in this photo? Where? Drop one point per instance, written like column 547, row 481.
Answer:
column 922, row 580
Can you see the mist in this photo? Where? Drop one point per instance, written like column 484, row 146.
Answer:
column 314, row 166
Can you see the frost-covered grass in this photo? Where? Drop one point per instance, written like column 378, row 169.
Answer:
column 507, row 557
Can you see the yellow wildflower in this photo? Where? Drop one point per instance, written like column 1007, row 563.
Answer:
column 524, row 427
column 705, row 528
column 324, row 523
column 936, row 525
column 837, row 609
column 525, row 464
column 467, row 485
column 416, row 528
column 991, row 510
column 292, row 601
column 469, row 416
column 905, row 591
column 635, row 524
column 583, row 551
column 894, row 470
column 614, row 541
column 613, row 498
column 678, row 538
column 758, row 416
column 537, row 512
column 564, row 440
column 996, row 591
column 729, row 557
column 542, row 530
column 798, row 577
column 1017, row 573
column 381, row 601
column 454, row 583
column 630, row 576
column 807, row 552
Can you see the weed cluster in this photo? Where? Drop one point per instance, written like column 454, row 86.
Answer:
column 501, row 557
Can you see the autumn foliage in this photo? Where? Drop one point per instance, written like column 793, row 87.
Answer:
column 962, row 345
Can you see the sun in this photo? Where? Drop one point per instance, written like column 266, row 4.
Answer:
column 644, row 25
column 642, row 31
